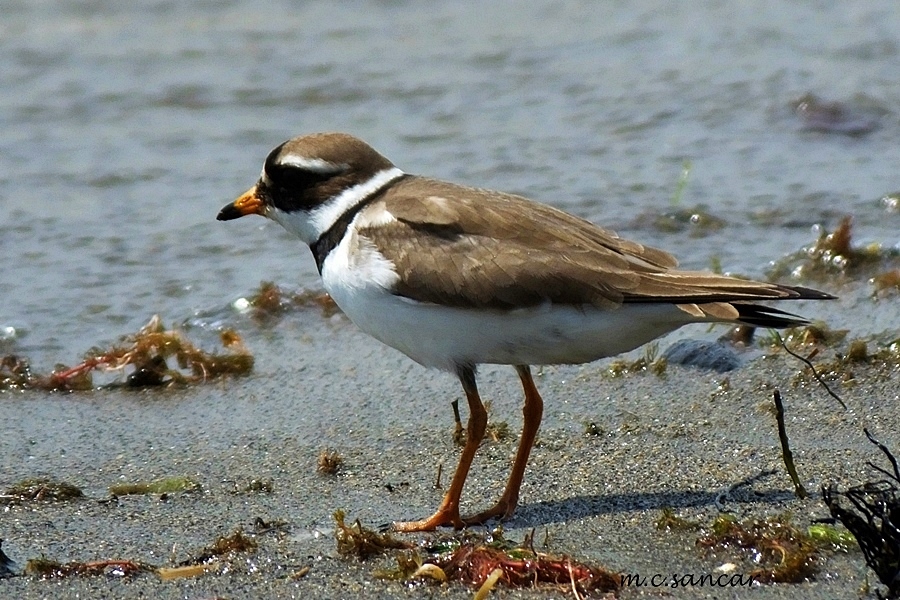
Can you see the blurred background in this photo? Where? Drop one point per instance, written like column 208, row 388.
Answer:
column 125, row 126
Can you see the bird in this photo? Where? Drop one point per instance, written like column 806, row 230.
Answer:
column 456, row 276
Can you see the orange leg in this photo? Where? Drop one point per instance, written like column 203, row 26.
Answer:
column 448, row 512
column 532, row 412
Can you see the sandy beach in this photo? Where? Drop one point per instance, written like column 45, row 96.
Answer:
column 672, row 441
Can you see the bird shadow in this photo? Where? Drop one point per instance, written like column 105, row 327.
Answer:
column 582, row 507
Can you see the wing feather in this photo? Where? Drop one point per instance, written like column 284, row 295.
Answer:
column 469, row 247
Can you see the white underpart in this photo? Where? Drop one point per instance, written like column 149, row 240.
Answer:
column 309, row 226
column 360, row 280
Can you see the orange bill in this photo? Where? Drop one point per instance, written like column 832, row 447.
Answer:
column 248, row 204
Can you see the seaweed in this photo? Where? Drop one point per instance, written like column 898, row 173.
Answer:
column 885, row 283
column 828, row 536
column 873, row 518
column 669, row 521
column 259, row 486
column 877, row 357
column 145, row 354
column 833, row 257
column 329, row 462
column 785, row 554
column 46, row 568
column 697, row 220
column 237, row 542
column 484, row 560
column 167, row 485
column 815, row 334
column 356, row 540
column 15, row 373
column 834, row 116
column 270, row 301
column 473, row 559
column 42, row 489
column 649, row 361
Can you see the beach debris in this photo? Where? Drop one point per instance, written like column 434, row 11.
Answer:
column 891, row 202
column 669, row 521
column 696, row 220
column 887, row 282
column 683, row 178
column 496, row 431
column 272, row 301
column 717, row 356
column 8, row 567
column 46, row 568
column 437, row 480
column 489, row 584
column 258, row 486
column 329, row 462
column 833, row 257
column 356, row 540
column 649, row 361
column 592, row 429
column 834, row 117
column 815, row 334
column 784, row 553
column 225, row 545
column 477, row 560
column 878, row 355
column 459, row 432
column 166, row 485
column 187, row 571
column 144, row 355
column 725, row 494
column 829, row 536
column 485, row 560
column 739, row 336
column 15, row 373
column 41, row 488
column 873, row 518
column 300, row 573
column 786, row 454
column 205, row 562
column 261, row 526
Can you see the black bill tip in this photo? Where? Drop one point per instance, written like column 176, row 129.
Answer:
column 229, row 212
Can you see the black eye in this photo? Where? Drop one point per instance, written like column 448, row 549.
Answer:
column 290, row 177
column 293, row 173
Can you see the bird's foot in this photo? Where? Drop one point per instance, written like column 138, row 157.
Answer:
column 502, row 510
column 444, row 517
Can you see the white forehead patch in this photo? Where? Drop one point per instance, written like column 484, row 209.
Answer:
column 315, row 165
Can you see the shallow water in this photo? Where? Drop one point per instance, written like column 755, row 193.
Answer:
column 126, row 126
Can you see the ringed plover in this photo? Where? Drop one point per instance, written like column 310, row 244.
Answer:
column 456, row 276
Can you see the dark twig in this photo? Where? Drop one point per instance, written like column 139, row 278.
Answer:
column 786, row 453
column 815, row 373
column 896, row 474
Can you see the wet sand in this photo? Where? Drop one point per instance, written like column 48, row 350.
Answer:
column 672, row 441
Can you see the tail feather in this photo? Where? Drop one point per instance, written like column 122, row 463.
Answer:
column 773, row 318
column 766, row 316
